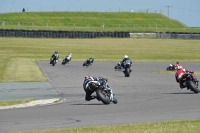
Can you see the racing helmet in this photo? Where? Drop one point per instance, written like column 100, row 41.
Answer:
column 89, row 77
column 56, row 52
column 125, row 56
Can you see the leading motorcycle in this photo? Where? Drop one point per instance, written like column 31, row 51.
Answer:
column 53, row 60
column 191, row 82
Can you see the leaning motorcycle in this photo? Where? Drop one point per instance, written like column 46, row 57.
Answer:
column 88, row 62
column 53, row 60
column 191, row 82
column 127, row 68
column 118, row 66
column 171, row 67
column 66, row 60
column 103, row 92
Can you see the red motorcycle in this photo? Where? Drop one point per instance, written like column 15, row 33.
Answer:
column 191, row 82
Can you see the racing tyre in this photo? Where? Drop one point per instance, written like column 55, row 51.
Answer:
column 193, row 87
column 102, row 96
column 115, row 100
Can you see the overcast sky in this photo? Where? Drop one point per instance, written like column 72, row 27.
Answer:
column 185, row 11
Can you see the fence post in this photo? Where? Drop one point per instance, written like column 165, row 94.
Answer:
column 3, row 24
column 102, row 26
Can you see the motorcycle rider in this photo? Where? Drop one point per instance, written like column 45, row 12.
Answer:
column 96, row 82
column 90, row 60
column 56, row 55
column 68, row 57
column 180, row 71
column 125, row 59
column 176, row 64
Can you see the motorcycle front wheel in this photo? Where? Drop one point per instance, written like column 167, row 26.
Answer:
column 193, row 87
column 102, row 96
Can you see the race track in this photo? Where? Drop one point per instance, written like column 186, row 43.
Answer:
column 143, row 97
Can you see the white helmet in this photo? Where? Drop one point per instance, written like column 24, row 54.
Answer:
column 125, row 56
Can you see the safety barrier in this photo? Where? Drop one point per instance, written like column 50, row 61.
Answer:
column 77, row 34
column 61, row 34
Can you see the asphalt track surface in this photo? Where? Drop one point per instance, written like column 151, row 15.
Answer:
column 143, row 97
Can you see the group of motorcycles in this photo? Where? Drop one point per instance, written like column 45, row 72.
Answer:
column 67, row 59
column 189, row 78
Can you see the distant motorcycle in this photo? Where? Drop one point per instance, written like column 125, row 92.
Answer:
column 127, row 68
column 66, row 60
column 53, row 60
column 171, row 67
column 118, row 67
column 191, row 82
column 88, row 62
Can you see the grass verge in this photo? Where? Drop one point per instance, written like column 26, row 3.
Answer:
column 191, row 126
column 14, row 102
column 23, row 69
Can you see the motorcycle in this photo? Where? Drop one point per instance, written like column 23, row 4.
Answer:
column 118, row 67
column 88, row 62
column 53, row 60
column 127, row 68
column 66, row 60
column 191, row 82
column 171, row 67
column 103, row 91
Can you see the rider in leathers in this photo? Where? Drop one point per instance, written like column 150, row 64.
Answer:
column 90, row 60
column 96, row 82
column 125, row 59
column 56, row 55
column 180, row 71
column 68, row 57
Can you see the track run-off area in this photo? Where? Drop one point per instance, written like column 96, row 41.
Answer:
column 143, row 97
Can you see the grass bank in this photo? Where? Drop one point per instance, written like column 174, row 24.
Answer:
column 159, row 127
column 93, row 21
column 19, row 55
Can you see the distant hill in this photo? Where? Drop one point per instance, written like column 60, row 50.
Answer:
column 89, row 21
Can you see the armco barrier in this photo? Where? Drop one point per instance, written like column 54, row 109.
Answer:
column 174, row 35
column 61, row 34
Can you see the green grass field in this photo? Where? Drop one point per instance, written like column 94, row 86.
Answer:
column 93, row 21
